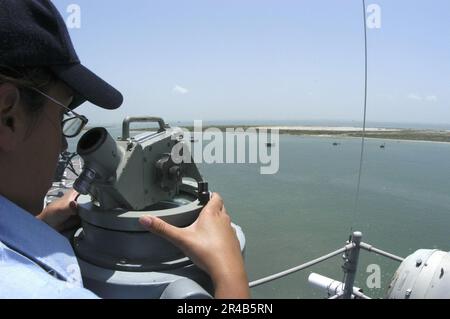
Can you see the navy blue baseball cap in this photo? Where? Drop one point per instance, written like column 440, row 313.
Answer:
column 33, row 34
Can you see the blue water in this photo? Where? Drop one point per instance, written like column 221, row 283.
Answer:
column 307, row 208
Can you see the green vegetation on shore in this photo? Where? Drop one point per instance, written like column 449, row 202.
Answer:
column 399, row 134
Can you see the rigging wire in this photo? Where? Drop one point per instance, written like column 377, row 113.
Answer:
column 361, row 158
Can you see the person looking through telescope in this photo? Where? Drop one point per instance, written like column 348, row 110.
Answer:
column 41, row 83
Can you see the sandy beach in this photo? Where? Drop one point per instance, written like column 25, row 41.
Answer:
column 327, row 128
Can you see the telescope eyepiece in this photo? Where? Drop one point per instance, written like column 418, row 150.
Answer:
column 91, row 141
column 101, row 157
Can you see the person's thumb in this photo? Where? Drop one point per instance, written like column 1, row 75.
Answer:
column 161, row 228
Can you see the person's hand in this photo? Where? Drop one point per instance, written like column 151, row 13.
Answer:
column 212, row 244
column 62, row 214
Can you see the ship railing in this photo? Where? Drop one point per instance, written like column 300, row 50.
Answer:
column 68, row 168
column 335, row 289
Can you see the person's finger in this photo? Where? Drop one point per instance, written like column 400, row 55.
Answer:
column 215, row 204
column 158, row 226
column 72, row 195
column 224, row 213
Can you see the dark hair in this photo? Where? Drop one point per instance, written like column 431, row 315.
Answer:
column 25, row 78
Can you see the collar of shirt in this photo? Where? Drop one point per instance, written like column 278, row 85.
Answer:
column 34, row 239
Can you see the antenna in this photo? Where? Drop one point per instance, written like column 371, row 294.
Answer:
column 361, row 158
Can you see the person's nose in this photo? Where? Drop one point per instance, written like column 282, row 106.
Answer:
column 64, row 144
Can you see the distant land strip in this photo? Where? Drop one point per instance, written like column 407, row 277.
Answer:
column 380, row 133
column 395, row 134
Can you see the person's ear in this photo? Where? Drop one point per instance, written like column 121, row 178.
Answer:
column 11, row 117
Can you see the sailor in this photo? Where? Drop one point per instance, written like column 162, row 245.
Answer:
column 41, row 82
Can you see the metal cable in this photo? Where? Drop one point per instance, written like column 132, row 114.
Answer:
column 361, row 158
column 300, row 267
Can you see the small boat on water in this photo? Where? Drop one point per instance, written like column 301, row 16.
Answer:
column 383, row 145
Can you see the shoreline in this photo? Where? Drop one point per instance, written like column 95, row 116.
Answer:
column 343, row 132
column 377, row 138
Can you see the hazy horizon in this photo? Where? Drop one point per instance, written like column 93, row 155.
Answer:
column 295, row 122
column 265, row 59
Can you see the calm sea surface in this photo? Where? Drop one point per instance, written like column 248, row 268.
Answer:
column 307, row 208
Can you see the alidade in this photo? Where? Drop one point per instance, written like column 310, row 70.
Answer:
column 121, row 181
